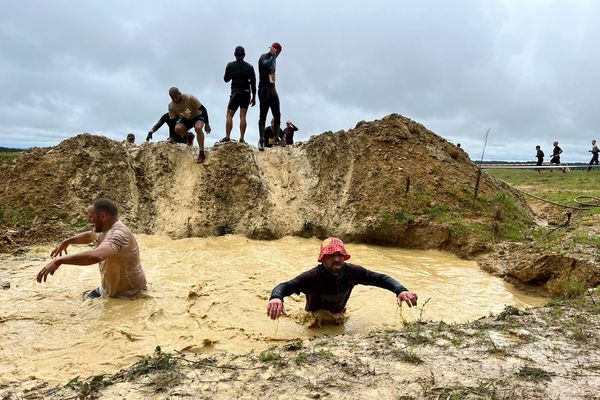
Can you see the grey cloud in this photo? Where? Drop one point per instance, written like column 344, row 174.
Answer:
column 528, row 71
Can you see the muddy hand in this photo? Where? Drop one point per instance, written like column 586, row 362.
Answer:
column 275, row 308
column 50, row 268
column 409, row 298
column 58, row 250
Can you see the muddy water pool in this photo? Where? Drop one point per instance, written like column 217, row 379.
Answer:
column 210, row 294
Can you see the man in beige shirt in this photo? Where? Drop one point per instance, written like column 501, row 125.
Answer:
column 116, row 250
column 188, row 112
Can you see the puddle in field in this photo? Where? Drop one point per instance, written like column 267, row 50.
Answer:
column 210, row 294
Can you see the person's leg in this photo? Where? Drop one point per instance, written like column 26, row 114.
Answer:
column 181, row 129
column 229, row 123
column 198, row 126
column 262, row 118
column 274, row 103
column 243, row 124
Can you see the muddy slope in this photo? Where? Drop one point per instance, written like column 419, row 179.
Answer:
column 390, row 181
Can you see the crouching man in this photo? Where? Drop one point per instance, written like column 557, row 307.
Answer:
column 328, row 285
column 117, row 252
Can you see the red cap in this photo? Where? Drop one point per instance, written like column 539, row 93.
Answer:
column 277, row 47
column 332, row 245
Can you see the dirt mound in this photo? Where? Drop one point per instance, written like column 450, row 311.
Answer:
column 389, row 181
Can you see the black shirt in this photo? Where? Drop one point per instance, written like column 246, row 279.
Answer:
column 325, row 291
column 242, row 76
column 264, row 70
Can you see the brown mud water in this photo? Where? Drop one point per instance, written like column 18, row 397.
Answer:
column 210, row 295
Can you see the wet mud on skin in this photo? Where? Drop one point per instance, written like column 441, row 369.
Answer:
column 210, row 295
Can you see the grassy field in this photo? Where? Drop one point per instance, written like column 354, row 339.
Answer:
column 7, row 156
column 555, row 186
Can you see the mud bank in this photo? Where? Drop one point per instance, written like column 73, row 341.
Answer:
column 390, row 182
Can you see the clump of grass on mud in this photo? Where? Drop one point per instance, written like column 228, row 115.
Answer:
column 161, row 371
column 16, row 218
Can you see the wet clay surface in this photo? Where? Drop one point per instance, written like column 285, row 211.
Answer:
column 210, row 295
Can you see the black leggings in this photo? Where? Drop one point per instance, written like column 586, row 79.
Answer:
column 269, row 99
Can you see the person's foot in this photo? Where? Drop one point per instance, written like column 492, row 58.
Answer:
column 225, row 140
column 261, row 145
column 201, row 157
column 242, row 140
column 94, row 294
column 190, row 139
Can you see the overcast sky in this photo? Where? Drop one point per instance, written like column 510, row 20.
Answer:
column 527, row 70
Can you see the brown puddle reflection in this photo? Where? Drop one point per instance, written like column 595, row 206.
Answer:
column 211, row 295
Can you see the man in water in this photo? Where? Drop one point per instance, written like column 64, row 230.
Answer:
column 116, row 250
column 267, row 94
column 329, row 284
column 188, row 112
column 243, row 80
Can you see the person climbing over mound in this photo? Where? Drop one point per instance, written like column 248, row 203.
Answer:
column 188, row 112
column 328, row 285
column 173, row 138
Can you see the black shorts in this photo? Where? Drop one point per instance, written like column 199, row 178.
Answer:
column 239, row 99
column 189, row 123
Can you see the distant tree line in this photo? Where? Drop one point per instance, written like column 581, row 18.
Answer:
column 9, row 150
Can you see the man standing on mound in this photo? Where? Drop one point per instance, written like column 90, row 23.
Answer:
column 188, row 112
column 267, row 94
column 243, row 80
column 121, row 273
column 328, row 285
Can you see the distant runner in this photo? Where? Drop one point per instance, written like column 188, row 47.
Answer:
column 243, row 80
column 594, row 152
column 188, row 112
column 121, row 272
column 328, row 285
column 540, row 157
column 267, row 94
column 556, row 152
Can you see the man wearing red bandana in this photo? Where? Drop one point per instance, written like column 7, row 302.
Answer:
column 329, row 284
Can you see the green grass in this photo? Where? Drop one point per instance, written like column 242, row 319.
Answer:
column 7, row 156
column 554, row 186
column 22, row 217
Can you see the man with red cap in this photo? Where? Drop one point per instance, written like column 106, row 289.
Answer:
column 329, row 284
column 267, row 94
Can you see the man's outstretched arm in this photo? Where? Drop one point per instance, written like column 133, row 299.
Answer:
column 275, row 308
column 87, row 257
